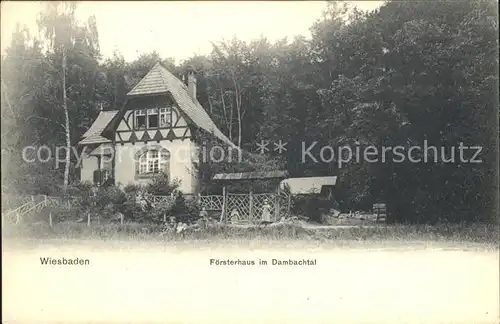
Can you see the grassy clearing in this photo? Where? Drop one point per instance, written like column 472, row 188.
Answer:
column 477, row 233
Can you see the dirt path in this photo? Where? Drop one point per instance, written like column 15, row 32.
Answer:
column 311, row 226
column 164, row 284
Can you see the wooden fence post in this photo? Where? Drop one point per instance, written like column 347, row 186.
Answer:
column 50, row 219
column 289, row 203
column 88, row 219
column 277, row 212
column 223, row 214
column 122, row 218
column 250, row 207
column 164, row 217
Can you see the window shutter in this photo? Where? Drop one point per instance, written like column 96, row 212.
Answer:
column 137, row 164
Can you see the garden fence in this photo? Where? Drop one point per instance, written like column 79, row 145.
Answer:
column 234, row 207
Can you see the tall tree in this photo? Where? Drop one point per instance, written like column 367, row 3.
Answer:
column 72, row 53
column 408, row 76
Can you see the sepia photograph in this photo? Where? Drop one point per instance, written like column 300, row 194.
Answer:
column 197, row 162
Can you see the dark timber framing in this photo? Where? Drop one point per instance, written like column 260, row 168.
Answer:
column 153, row 101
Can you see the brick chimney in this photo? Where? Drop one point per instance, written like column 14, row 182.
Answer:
column 191, row 85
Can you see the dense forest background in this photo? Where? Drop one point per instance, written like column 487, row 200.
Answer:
column 405, row 73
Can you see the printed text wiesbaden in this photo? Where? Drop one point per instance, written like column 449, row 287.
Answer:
column 63, row 261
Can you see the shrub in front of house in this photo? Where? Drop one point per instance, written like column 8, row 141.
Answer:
column 160, row 185
column 184, row 209
column 135, row 202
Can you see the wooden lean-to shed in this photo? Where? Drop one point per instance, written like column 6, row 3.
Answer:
column 311, row 185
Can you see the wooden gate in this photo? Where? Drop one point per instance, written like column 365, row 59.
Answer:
column 248, row 208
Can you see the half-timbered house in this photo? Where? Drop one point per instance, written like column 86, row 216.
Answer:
column 154, row 132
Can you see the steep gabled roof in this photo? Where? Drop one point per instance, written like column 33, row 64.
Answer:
column 93, row 134
column 160, row 80
column 152, row 83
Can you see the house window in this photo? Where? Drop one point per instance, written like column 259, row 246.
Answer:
column 140, row 119
column 165, row 117
column 153, row 161
column 153, row 118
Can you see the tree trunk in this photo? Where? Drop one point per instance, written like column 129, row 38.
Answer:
column 66, row 115
column 237, row 98
column 210, row 105
column 228, row 123
column 239, row 122
column 115, row 92
column 7, row 99
column 230, row 119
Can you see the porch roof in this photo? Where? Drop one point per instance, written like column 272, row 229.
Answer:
column 94, row 134
column 103, row 149
column 94, row 139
